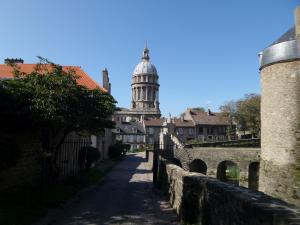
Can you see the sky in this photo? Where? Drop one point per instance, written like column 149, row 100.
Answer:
column 205, row 51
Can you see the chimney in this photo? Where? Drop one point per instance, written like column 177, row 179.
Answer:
column 297, row 22
column 208, row 112
column 13, row 61
column 106, row 83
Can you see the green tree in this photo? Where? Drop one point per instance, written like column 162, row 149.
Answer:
column 248, row 114
column 50, row 103
column 229, row 111
column 245, row 113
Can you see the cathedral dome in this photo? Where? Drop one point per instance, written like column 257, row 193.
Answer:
column 145, row 67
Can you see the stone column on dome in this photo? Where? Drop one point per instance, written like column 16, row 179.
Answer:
column 135, row 93
column 153, row 94
column 149, row 93
column 132, row 94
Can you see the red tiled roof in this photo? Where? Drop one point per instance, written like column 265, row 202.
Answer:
column 205, row 118
column 84, row 79
column 154, row 122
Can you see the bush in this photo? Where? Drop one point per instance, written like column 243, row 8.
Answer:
column 118, row 150
column 10, row 153
column 87, row 156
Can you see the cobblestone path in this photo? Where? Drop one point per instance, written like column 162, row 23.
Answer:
column 124, row 197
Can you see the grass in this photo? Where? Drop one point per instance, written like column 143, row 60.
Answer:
column 23, row 207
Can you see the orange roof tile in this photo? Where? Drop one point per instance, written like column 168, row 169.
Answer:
column 84, row 79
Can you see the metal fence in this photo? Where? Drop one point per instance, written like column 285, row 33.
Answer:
column 72, row 157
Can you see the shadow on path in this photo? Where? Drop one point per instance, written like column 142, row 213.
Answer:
column 124, row 197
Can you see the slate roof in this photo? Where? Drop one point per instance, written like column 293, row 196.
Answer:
column 183, row 123
column 130, row 128
column 154, row 122
column 6, row 72
column 205, row 118
column 287, row 36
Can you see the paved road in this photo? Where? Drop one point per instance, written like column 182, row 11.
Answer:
column 125, row 197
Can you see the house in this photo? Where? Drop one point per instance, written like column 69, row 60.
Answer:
column 100, row 141
column 131, row 133
column 184, row 129
column 152, row 129
column 209, row 126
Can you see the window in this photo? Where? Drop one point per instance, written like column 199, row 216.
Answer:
column 200, row 130
column 151, row 141
column 191, row 131
column 151, row 130
column 119, row 137
column 180, row 131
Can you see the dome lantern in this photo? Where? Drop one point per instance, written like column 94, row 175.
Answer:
column 146, row 54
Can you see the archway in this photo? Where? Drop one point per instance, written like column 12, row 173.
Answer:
column 253, row 175
column 176, row 162
column 229, row 172
column 198, row 166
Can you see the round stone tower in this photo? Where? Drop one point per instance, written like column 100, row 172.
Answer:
column 280, row 116
column 145, row 88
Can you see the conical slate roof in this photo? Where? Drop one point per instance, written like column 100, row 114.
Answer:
column 287, row 36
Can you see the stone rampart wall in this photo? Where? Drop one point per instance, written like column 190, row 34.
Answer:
column 213, row 156
column 199, row 199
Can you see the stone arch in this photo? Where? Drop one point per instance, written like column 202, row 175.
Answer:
column 198, row 166
column 176, row 162
column 229, row 172
column 253, row 175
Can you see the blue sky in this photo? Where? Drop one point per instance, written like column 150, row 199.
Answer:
column 205, row 51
